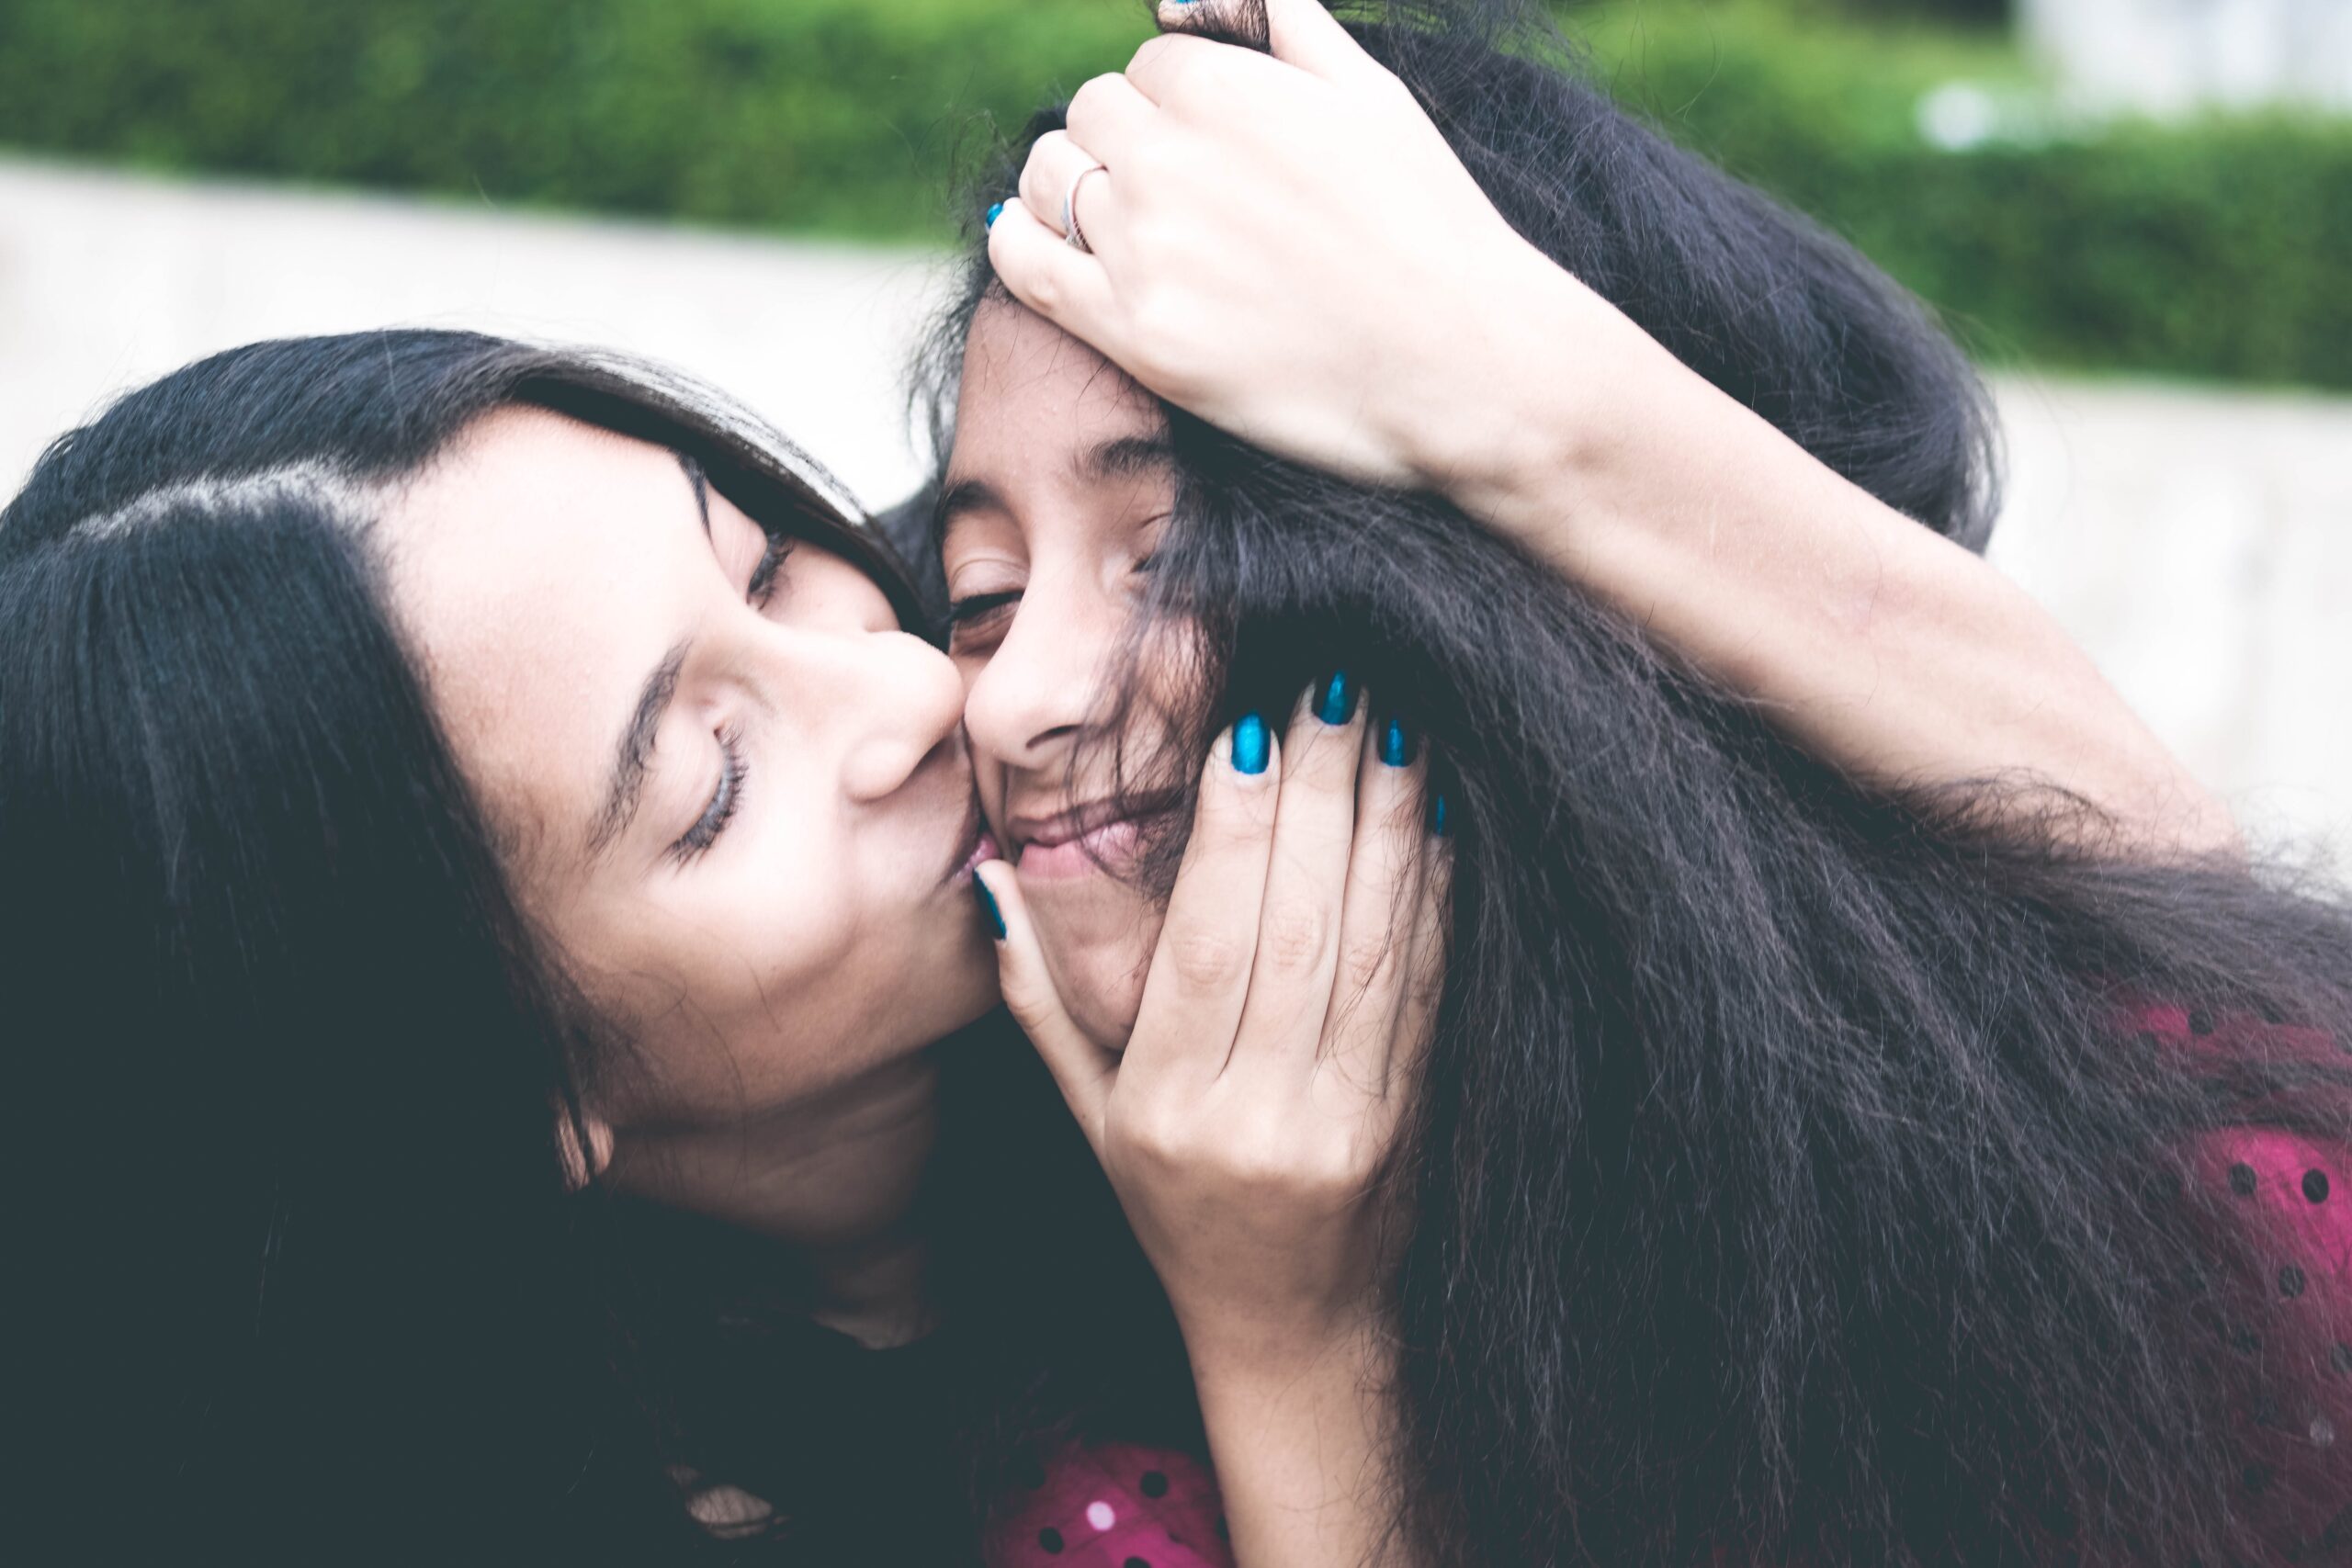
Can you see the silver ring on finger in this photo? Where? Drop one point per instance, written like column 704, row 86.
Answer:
column 1070, row 231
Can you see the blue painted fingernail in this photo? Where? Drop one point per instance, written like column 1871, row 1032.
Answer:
column 995, row 212
column 988, row 907
column 1338, row 704
column 1395, row 743
column 1438, row 821
column 1249, row 745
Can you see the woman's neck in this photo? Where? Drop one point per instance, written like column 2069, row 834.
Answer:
column 834, row 1180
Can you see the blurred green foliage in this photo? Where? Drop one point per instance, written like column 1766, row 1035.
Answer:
column 2220, row 249
column 837, row 115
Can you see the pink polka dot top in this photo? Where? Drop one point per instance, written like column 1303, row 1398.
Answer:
column 1116, row 1506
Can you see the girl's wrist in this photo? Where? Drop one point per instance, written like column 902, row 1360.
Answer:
column 1547, row 387
column 1511, row 370
column 1230, row 1347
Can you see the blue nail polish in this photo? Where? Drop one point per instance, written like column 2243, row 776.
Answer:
column 1338, row 704
column 995, row 212
column 988, row 907
column 1437, row 823
column 1250, row 746
column 1395, row 743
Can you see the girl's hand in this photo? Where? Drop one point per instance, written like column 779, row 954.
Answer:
column 1286, row 246
column 1290, row 996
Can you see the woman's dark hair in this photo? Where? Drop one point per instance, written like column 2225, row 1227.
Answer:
column 1803, row 1172
column 303, row 1280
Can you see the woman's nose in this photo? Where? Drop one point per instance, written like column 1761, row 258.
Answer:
column 1037, row 690
column 892, row 697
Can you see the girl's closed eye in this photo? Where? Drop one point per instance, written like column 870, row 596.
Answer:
column 763, row 576
column 734, row 772
column 977, row 621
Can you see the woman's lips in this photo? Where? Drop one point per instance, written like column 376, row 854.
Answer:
column 984, row 848
column 976, row 843
column 1082, row 855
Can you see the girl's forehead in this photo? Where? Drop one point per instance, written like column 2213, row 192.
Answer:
column 1018, row 367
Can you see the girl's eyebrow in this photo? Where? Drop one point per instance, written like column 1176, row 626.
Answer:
column 1105, row 462
column 626, row 788
column 625, row 785
column 701, row 481
column 1124, row 457
column 960, row 499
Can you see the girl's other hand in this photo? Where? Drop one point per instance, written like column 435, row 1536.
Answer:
column 1247, row 1124
column 1284, row 245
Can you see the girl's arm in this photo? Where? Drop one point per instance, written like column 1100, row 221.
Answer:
column 1242, row 196
column 1248, row 1123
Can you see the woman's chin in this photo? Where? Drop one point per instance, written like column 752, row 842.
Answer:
column 1098, row 949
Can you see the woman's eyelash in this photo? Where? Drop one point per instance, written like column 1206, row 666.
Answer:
column 763, row 575
column 961, row 611
column 724, row 800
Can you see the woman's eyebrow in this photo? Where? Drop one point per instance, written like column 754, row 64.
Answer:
column 1124, row 457
column 959, row 499
column 1105, row 462
column 701, row 481
column 626, row 788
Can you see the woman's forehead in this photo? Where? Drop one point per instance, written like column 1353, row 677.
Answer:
column 1019, row 368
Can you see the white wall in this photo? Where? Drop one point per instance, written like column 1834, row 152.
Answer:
column 2165, row 57
column 2199, row 543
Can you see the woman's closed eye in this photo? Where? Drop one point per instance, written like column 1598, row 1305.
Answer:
column 725, row 798
column 977, row 621
column 761, row 588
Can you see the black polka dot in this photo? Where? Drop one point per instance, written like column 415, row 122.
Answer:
column 2200, row 1023
column 2256, row 1477
column 2244, row 1341
column 1050, row 1539
column 2315, row 1186
column 2341, row 1356
column 2242, row 1180
column 2290, row 1281
column 1154, row 1484
column 1134, row 1562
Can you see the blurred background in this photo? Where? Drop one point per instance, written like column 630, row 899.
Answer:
column 2136, row 213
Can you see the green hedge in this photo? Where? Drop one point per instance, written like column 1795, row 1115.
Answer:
column 838, row 115
column 2219, row 249
column 2222, row 250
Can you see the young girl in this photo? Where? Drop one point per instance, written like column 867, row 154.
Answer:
column 1828, row 1151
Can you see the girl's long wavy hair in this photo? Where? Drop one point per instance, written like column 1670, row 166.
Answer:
column 1803, row 1172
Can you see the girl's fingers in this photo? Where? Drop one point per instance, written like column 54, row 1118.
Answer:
column 1379, row 924
column 1056, row 166
column 1106, row 114
column 1424, row 982
column 1175, row 69
column 1301, row 33
column 1064, row 285
column 1200, row 978
column 1307, row 881
column 1304, row 33
column 1083, row 1069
